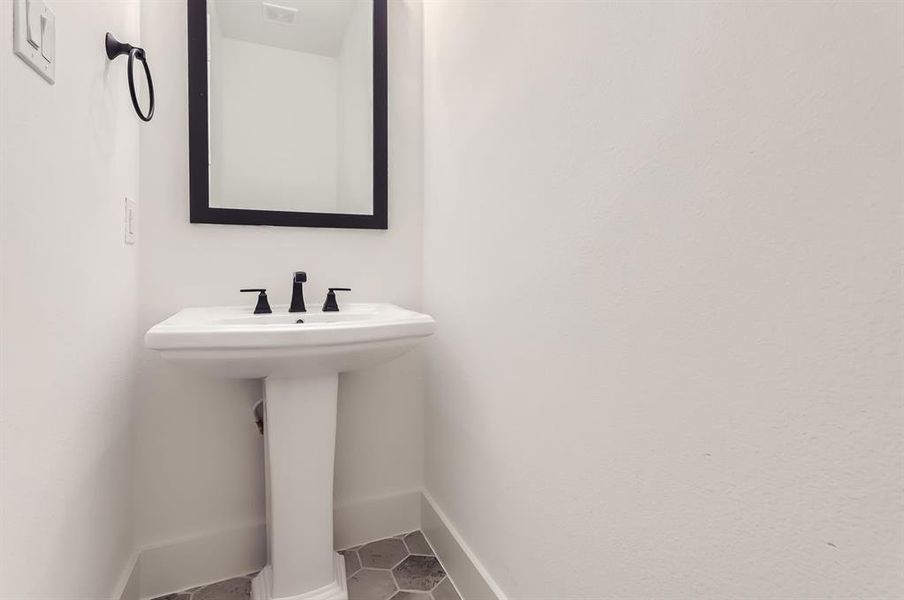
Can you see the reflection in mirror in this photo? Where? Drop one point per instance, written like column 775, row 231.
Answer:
column 290, row 105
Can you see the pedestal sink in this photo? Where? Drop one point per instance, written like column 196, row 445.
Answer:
column 299, row 356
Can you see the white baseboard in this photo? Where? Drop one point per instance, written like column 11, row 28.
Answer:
column 469, row 575
column 201, row 559
column 189, row 562
column 127, row 588
column 180, row 564
column 371, row 519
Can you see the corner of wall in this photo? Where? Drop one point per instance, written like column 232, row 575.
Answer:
column 468, row 573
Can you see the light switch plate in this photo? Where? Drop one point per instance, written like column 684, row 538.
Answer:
column 43, row 20
column 130, row 224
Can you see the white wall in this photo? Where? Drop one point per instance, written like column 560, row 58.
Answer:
column 68, row 157
column 663, row 246
column 274, row 119
column 199, row 459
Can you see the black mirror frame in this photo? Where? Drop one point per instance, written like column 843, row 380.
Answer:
column 199, row 184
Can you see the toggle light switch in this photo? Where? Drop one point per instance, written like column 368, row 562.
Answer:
column 34, row 12
column 48, row 35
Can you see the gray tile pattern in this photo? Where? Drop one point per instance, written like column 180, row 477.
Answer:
column 421, row 573
column 352, row 561
column 234, row 588
column 382, row 554
column 415, row 572
column 237, row 588
column 411, row 596
column 367, row 584
column 445, row 591
column 403, row 567
column 417, row 544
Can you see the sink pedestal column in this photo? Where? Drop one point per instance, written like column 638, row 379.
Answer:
column 300, row 447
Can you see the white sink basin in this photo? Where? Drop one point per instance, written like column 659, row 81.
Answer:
column 232, row 342
column 300, row 365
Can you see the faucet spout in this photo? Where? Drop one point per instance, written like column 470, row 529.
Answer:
column 297, row 304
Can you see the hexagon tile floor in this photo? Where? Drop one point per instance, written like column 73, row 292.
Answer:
column 403, row 567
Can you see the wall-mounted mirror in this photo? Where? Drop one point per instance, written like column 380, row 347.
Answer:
column 287, row 112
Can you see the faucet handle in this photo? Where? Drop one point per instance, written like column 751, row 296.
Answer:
column 330, row 304
column 263, row 306
column 300, row 277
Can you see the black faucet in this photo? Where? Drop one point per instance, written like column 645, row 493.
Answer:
column 297, row 304
column 330, row 304
column 263, row 306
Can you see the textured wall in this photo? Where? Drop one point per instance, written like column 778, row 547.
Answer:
column 663, row 245
column 199, row 457
column 68, row 157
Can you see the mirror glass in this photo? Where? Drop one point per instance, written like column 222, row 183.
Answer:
column 290, row 105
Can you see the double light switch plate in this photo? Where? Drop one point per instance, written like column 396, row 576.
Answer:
column 34, row 36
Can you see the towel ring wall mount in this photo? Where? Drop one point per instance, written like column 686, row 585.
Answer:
column 116, row 48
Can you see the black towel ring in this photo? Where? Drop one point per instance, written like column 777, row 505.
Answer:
column 115, row 48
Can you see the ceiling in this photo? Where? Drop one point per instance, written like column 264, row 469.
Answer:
column 318, row 28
